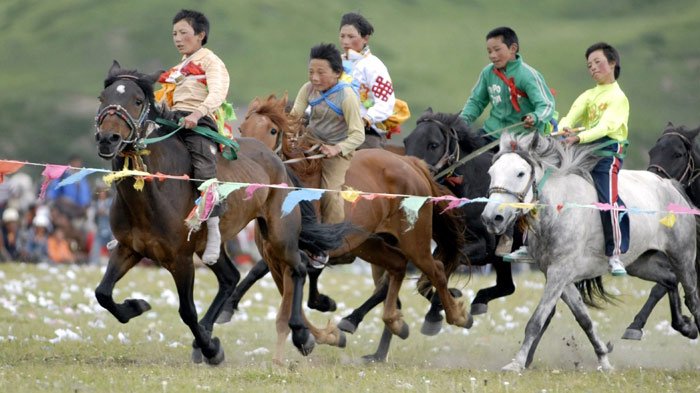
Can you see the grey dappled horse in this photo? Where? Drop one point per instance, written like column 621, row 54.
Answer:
column 568, row 244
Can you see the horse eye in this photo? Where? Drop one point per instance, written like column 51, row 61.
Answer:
column 273, row 131
column 678, row 155
column 139, row 102
column 521, row 174
column 433, row 146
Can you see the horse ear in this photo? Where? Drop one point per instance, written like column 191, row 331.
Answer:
column 284, row 99
column 254, row 105
column 429, row 110
column 115, row 68
column 694, row 133
column 535, row 141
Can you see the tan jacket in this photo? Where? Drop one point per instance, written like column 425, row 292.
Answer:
column 191, row 94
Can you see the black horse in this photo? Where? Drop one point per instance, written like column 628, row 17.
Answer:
column 441, row 139
column 150, row 222
column 674, row 156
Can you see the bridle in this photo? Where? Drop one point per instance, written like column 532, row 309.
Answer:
column 531, row 183
column 690, row 171
column 452, row 151
column 135, row 125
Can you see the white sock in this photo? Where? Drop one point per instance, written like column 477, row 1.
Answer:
column 211, row 252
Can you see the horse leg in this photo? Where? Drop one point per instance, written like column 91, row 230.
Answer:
column 572, row 298
column 317, row 300
column 504, row 287
column 258, row 271
column 382, row 352
column 300, row 332
column 531, row 353
column 553, row 289
column 656, row 267
column 120, row 262
column 351, row 322
column 227, row 276
column 392, row 317
column 183, row 275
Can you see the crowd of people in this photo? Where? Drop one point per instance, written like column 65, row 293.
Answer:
column 69, row 225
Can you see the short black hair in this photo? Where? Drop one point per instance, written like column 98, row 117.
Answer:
column 509, row 36
column 197, row 20
column 360, row 22
column 330, row 53
column 610, row 53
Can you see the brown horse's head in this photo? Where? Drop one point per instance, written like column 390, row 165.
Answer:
column 267, row 121
column 126, row 103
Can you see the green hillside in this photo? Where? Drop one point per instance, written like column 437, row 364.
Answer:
column 56, row 54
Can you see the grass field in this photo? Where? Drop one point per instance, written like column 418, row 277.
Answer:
column 55, row 337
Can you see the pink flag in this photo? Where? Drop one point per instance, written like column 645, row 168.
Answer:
column 51, row 172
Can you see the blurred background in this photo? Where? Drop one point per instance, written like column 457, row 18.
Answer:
column 57, row 53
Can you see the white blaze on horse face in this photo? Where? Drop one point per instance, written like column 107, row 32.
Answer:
column 121, row 89
column 510, row 172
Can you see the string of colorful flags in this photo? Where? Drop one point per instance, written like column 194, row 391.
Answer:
column 410, row 204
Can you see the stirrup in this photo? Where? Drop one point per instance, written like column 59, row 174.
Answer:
column 616, row 267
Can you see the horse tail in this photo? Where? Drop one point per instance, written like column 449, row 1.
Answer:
column 592, row 292
column 448, row 229
column 316, row 237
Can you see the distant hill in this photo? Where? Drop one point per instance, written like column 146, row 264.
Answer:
column 56, row 54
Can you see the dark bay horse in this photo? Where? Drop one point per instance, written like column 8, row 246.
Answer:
column 386, row 239
column 150, row 222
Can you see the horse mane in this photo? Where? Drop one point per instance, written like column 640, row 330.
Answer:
column 564, row 160
column 469, row 139
column 270, row 108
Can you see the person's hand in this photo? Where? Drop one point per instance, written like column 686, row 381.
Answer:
column 330, row 150
column 566, row 132
column 572, row 140
column 529, row 121
column 191, row 120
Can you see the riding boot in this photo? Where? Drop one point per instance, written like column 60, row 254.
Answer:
column 211, row 252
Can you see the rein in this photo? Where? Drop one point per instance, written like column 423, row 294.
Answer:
column 475, row 153
column 690, row 171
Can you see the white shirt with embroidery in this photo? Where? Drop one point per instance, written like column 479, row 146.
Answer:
column 376, row 88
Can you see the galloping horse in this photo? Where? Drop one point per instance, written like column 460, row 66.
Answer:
column 441, row 139
column 568, row 244
column 386, row 239
column 673, row 156
column 150, row 222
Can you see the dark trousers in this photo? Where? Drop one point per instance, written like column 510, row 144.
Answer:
column 202, row 151
column 616, row 227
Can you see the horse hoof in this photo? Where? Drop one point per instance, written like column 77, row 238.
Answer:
column 455, row 292
column 342, row 340
column 219, row 357
column 513, row 367
column 403, row 332
column 197, row 356
column 308, row 347
column 224, row 316
column 632, row 334
column 323, row 303
column 479, row 308
column 470, row 322
column 687, row 329
column 374, row 358
column 347, row 326
column 431, row 328
column 610, row 347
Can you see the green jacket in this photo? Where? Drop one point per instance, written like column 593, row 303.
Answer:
column 532, row 95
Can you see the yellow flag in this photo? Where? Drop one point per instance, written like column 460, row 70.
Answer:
column 350, row 195
column 669, row 220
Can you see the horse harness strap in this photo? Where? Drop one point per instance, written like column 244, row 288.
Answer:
column 232, row 145
column 531, row 184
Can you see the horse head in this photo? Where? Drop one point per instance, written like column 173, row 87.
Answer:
column 126, row 109
column 514, row 177
column 266, row 121
column 673, row 154
column 439, row 139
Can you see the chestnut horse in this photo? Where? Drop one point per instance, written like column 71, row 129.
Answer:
column 150, row 222
column 386, row 239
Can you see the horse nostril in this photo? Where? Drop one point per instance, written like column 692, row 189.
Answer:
column 498, row 218
column 114, row 138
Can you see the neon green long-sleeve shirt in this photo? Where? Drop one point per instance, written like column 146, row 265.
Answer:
column 603, row 111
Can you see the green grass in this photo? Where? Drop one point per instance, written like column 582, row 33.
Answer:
column 151, row 353
column 59, row 51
